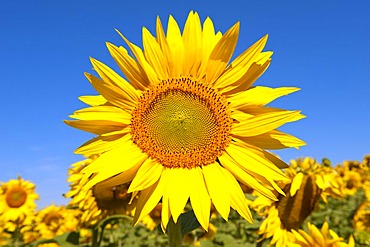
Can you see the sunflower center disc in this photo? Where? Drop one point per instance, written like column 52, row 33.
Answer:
column 181, row 123
column 16, row 197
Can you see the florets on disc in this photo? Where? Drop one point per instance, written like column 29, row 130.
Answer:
column 16, row 197
column 181, row 123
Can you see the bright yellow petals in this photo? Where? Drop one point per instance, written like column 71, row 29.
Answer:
column 243, row 176
column 56, row 220
column 252, row 97
column 120, row 92
column 17, row 200
column 101, row 113
column 148, row 173
column 129, row 66
column 154, row 55
column 93, row 100
column 181, row 127
column 239, row 67
column 318, row 238
column 218, row 188
column 296, row 183
column 262, row 166
column 199, row 197
column 177, row 196
column 176, row 45
column 273, row 140
column 221, row 54
column 263, row 123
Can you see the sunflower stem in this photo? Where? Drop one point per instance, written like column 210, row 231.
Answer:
column 174, row 233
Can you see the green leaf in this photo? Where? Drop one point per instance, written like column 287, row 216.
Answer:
column 68, row 239
column 188, row 222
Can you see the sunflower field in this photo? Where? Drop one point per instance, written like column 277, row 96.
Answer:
column 181, row 156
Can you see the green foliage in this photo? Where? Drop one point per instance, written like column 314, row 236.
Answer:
column 68, row 239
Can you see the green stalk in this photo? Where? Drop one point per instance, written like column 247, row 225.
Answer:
column 174, row 233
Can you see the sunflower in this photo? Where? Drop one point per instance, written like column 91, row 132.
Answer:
column 185, row 123
column 56, row 220
column 17, row 200
column 352, row 178
column 319, row 238
column 100, row 201
column 324, row 176
column 361, row 219
column 302, row 193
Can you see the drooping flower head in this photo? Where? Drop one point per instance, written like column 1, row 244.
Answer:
column 184, row 123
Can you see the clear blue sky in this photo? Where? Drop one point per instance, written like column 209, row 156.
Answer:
column 320, row 46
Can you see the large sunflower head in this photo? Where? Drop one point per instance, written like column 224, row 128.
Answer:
column 184, row 123
column 17, row 200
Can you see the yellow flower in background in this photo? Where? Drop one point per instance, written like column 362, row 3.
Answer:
column 324, row 176
column 4, row 236
column 17, row 200
column 288, row 213
column 56, row 220
column 320, row 238
column 185, row 123
column 355, row 175
column 100, row 201
column 361, row 219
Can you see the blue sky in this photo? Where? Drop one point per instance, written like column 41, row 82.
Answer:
column 320, row 46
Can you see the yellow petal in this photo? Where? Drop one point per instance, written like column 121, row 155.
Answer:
column 221, row 54
column 99, row 145
column 252, row 160
column 154, row 55
column 110, row 113
column 148, row 199
column 93, row 100
column 166, row 212
column 263, row 123
column 111, row 92
column 241, row 64
column 192, row 38
column 176, row 45
column 296, row 183
column 238, row 200
column 112, row 162
column 178, row 190
column 129, row 66
column 273, row 140
column 95, row 126
column 147, row 175
column 320, row 181
column 138, row 53
column 259, row 96
column 199, row 197
column 218, row 188
column 253, row 73
column 316, row 235
column 245, row 177
column 210, row 39
column 162, row 41
column 274, row 159
column 125, row 90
